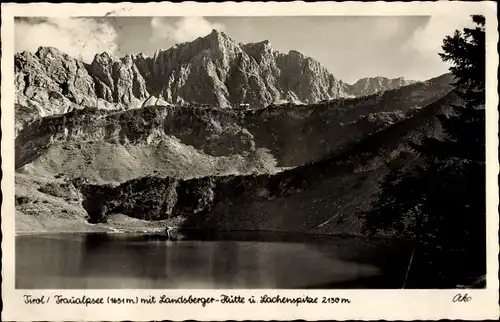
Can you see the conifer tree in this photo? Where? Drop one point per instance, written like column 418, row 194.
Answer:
column 440, row 207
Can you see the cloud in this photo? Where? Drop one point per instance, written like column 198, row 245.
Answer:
column 184, row 29
column 419, row 54
column 429, row 38
column 383, row 28
column 78, row 37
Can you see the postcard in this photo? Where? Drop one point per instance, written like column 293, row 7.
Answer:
column 247, row 161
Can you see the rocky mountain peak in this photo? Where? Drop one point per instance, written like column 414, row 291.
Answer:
column 141, row 56
column 105, row 56
column 48, row 54
column 296, row 55
column 219, row 42
column 371, row 85
column 259, row 50
column 52, row 58
column 103, row 59
column 118, row 80
column 218, row 34
column 47, row 51
column 214, row 70
column 128, row 60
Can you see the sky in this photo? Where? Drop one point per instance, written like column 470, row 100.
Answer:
column 350, row 47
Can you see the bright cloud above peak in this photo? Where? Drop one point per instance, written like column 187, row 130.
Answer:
column 429, row 38
column 182, row 30
column 78, row 37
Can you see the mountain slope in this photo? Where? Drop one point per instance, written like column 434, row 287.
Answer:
column 318, row 197
column 190, row 142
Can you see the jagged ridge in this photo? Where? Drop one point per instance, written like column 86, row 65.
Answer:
column 213, row 70
column 371, row 85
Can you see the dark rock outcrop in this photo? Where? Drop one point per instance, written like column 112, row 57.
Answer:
column 134, row 198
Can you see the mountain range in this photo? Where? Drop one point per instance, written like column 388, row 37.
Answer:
column 139, row 143
column 214, row 70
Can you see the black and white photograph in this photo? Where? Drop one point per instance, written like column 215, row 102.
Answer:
column 217, row 158
column 300, row 152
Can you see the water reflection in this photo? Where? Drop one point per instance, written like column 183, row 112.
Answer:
column 230, row 261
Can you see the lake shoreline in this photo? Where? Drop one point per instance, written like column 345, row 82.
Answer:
column 30, row 225
column 113, row 229
column 132, row 255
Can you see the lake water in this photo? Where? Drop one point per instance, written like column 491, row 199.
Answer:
column 117, row 261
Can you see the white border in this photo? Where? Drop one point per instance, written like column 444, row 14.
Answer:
column 366, row 304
